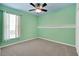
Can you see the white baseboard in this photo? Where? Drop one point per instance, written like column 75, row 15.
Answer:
column 35, row 38
column 56, row 41
column 16, row 42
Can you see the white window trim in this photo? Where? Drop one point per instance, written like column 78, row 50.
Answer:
column 4, row 30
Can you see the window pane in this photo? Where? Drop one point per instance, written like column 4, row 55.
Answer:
column 11, row 26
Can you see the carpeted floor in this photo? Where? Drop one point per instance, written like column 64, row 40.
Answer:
column 38, row 47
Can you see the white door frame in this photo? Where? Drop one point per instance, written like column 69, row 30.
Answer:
column 77, row 28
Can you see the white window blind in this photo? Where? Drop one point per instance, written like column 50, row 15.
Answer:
column 11, row 26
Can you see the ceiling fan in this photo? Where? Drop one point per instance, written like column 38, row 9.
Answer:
column 39, row 7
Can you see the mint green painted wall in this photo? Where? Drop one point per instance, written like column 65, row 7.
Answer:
column 64, row 16
column 27, row 24
column 60, row 35
column 1, row 22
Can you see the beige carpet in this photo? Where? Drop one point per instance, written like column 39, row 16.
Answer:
column 38, row 47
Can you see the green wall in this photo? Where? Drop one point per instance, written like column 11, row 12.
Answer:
column 62, row 17
column 27, row 25
column 1, row 22
column 59, row 35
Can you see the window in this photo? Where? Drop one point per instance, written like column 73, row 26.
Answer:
column 11, row 26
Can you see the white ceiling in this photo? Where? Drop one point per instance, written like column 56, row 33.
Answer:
column 26, row 6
